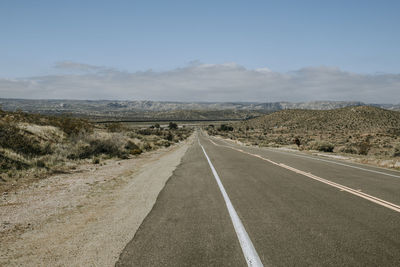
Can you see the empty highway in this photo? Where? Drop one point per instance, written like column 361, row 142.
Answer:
column 230, row 205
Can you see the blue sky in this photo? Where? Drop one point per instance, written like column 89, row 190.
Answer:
column 360, row 37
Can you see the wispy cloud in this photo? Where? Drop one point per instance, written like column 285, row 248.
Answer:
column 206, row 82
column 80, row 67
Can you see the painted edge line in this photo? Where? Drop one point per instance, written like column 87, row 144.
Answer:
column 376, row 200
column 249, row 252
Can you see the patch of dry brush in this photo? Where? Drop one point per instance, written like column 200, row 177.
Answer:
column 360, row 130
column 33, row 145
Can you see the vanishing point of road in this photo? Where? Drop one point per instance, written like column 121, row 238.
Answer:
column 230, row 205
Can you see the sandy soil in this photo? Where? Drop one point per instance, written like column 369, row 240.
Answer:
column 84, row 218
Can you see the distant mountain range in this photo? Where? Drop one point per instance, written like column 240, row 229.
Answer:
column 135, row 109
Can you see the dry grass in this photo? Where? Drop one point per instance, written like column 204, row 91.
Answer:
column 35, row 146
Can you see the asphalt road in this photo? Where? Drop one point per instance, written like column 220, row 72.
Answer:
column 296, row 210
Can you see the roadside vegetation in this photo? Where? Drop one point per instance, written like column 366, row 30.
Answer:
column 364, row 131
column 33, row 145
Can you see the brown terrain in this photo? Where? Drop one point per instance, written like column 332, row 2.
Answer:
column 371, row 134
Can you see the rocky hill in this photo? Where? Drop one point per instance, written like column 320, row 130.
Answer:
column 358, row 130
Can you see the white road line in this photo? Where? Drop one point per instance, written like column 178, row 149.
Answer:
column 249, row 252
column 338, row 163
column 376, row 200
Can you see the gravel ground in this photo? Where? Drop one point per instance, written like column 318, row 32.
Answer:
column 83, row 218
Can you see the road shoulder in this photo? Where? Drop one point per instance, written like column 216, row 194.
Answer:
column 85, row 218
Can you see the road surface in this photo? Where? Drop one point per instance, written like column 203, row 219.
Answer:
column 229, row 205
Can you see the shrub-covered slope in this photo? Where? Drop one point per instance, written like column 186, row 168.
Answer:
column 36, row 145
column 362, row 130
column 363, row 118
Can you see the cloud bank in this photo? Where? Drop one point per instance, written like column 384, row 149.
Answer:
column 205, row 82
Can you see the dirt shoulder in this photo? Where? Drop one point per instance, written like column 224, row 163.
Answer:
column 85, row 218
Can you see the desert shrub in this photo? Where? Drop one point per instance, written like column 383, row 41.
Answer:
column 13, row 138
column 147, row 146
column 297, row 141
column 96, row 161
column 173, row 126
column 40, row 164
column 396, row 152
column 131, row 145
column 158, row 132
column 281, row 140
column 133, row 148
column 363, row 148
column 136, row 151
column 97, row 147
column 163, row 143
column 169, row 136
column 71, row 126
column 322, row 146
column 114, row 127
column 348, row 149
column 8, row 163
column 145, row 131
column 225, row 128
column 107, row 147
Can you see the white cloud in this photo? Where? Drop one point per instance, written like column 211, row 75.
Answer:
column 206, row 82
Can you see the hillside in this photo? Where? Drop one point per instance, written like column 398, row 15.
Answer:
column 161, row 110
column 362, row 118
column 33, row 146
column 362, row 130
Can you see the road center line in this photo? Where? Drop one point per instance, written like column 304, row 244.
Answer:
column 376, row 200
column 329, row 161
column 249, row 252
column 339, row 163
